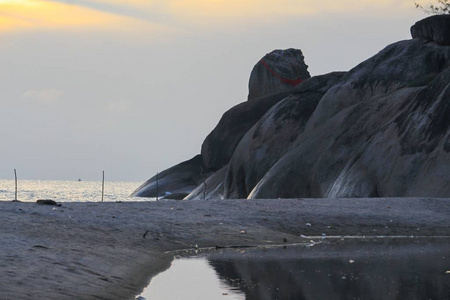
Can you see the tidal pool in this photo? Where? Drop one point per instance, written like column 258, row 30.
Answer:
column 340, row 269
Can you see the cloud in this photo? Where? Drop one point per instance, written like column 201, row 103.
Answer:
column 46, row 96
column 142, row 10
column 33, row 15
column 171, row 10
column 159, row 14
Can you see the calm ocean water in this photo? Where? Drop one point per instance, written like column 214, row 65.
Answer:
column 68, row 191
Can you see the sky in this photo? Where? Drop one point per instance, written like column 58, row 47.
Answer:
column 133, row 87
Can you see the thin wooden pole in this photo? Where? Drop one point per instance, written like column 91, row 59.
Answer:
column 204, row 183
column 204, row 190
column 157, row 186
column 15, row 177
column 103, row 185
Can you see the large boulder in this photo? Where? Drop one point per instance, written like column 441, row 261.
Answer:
column 435, row 29
column 402, row 64
column 219, row 145
column 278, row 71
column 211, row 188
column 176, row 182
column 273, row 135
column 381, row 131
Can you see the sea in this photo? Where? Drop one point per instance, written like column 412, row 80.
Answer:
column 69, row 191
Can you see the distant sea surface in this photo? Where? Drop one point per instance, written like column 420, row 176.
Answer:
column 68, row 191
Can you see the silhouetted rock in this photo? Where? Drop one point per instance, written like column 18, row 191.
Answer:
column 175, row 196
column 273, row 135
column 47, row 202
column 212, row 188
column 434, row 28
column 180, row 179
column 381, row 131
column 219, row 145
column 278, row 71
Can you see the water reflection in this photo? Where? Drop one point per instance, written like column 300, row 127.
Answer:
column 382, row 269
column 359, row 270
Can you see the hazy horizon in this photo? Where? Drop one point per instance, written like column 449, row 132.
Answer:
column 134, row 87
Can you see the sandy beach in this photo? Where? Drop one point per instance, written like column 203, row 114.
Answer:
column 111, row 250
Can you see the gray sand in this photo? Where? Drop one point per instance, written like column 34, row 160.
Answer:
column 110, row 250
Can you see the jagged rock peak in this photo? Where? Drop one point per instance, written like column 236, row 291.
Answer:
column 435, row 29
column 277, row 71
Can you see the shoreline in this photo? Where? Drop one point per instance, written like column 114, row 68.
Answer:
column 92, row 250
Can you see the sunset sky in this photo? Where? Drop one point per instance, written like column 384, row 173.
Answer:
column 133, row 87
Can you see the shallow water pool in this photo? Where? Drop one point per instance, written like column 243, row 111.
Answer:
column 343, row 269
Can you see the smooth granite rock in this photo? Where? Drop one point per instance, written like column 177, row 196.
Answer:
column 178, row 180
column 211, row 188
column 219, row 145
column 435, row 29
column 277, row 71
column 273, row 135
column 381, row 131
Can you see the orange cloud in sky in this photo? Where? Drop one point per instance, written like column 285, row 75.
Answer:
column 36, row 15
column 158, row 14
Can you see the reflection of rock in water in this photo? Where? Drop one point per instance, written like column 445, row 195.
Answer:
column 383, row 271
column 260, row 279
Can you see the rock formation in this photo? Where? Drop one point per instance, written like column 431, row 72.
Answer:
column 219, row 145
column 278, row 71
column 379, row 130
column 211, row 188
column 283, row 70
column 274, row 134
column 435, row 29
column 176, row 182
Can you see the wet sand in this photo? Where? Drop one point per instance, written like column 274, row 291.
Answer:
column 110, row 250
